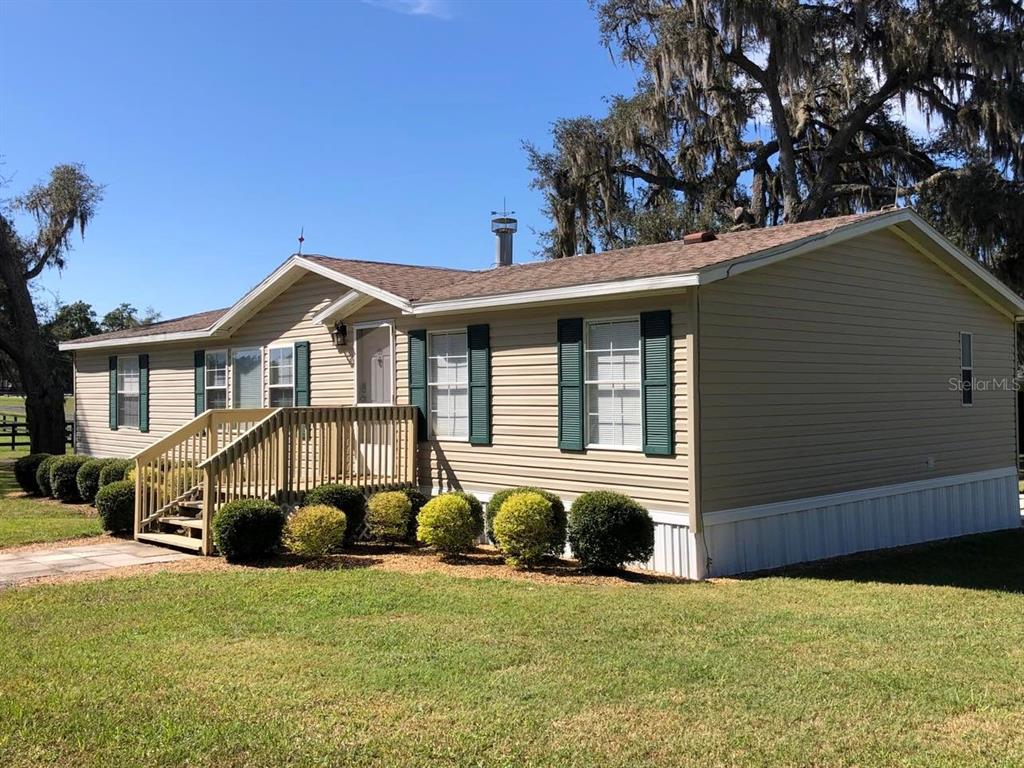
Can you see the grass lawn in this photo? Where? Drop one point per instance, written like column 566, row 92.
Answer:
column 27, row 521
column 916, row 660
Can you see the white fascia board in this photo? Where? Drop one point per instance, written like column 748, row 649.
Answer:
column 358, row 285
column 568, row 293
column 841, row 234
column 343, row 307
column 134, row 341
column 256, row 294
column 799, row 247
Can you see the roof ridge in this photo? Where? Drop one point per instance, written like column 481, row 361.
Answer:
column 344, row 259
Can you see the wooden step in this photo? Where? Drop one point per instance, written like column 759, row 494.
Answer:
column 191, row 504
column 182, row 521
column 172, row 540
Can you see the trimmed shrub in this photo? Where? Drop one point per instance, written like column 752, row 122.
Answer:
column 114, row 470
column 43, row 475
column 248, row 528
column 63, row 478
column 115, row 503
column 558, row 520
column 388, row 515
column 607, row 529
column 446, row 522
column 25, row 470
column 347, row 498
column 523, row 528
column 315, row 530
column 476, row 509
column 88, row 479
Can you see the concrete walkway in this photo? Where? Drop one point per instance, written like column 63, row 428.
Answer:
column 17, row 566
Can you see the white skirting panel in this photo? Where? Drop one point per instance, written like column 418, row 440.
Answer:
column 773, row 535
column 674, row 550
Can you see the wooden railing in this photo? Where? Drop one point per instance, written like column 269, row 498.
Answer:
column 168, row 470
column 293, row 450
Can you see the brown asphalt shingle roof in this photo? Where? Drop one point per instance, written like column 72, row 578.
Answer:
column 423, row 284
column 197, row 322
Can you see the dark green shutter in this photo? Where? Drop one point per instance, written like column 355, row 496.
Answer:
column 112, row 389
column 479, row 343
column 143, row 393
column 570, row 384
column 302, row 374
column 656, row 378
column 418, row 379
column 199, row 360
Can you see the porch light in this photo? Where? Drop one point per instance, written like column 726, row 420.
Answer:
column 340, row 334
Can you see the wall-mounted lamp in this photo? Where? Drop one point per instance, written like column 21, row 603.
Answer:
column 340, row 334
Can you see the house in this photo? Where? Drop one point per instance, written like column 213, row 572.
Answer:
column 771, row 396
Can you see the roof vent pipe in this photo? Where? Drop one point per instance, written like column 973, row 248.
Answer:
column 503, row 226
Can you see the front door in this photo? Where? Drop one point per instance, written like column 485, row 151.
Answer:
column 374, row 372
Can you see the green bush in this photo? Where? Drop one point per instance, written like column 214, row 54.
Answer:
column 348, row 499
column 476, row 509
column 43, row 475
column 88, row 479
column 607, row 529
column 523, row 528
column 63, row 478
column 248, row 528
column 446, row 522
column 25, row 470
column 115, row 503
column 315, row 530
column 388, row 516
column 114, row 470
column 558, row 521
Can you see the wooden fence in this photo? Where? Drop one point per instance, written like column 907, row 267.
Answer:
column 14, row 432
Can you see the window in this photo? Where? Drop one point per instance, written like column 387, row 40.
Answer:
column 448, row 385
column 966, row 369
column 282, row 377
column 612, row 381
column 128, row 392
column 374, row 373
column 246, row 378
column 217, row 379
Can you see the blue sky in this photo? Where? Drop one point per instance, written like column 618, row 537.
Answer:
column 389, row 130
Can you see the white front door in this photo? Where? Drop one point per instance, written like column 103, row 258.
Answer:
column 375, row 374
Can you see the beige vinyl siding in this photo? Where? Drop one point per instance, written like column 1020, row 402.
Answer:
column 831, row 372
column 287, row 318
column 171, row 399
column 524, row 379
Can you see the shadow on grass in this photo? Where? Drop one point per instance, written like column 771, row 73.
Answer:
column 988, row 561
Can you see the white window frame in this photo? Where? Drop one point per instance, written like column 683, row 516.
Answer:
column 227, row 376
column 432, row 387
column 968, row 369
column 123, row 392
column 231, row 373
column 269, row 355
column 587, row 442
column 356, row 327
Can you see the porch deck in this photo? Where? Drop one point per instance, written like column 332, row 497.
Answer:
column 267, row 453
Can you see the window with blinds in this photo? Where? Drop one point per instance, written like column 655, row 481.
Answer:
column 612, row 383
column 448, row 385
column 128, row 391
column 246, row 378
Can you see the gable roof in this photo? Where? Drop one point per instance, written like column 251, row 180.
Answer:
column 422, row 290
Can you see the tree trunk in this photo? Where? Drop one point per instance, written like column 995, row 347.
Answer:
column 23, row 341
